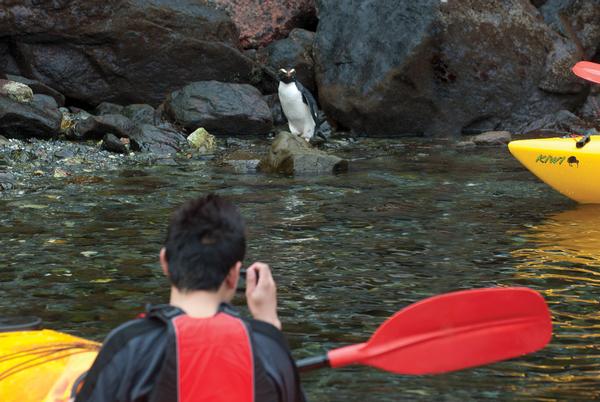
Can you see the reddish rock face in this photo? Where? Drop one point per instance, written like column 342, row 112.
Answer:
column 262, row 21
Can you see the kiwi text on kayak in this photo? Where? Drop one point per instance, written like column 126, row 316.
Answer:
column 572, row 161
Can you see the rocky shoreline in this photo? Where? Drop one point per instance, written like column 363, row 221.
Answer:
column 140, row 81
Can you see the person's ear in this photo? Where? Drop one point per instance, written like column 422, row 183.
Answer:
column 163, row 261
column 234, row 275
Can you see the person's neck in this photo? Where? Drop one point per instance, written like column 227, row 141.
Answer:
column 198, row 303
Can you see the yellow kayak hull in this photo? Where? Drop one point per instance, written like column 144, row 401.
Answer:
column 559, row 163
column 42, row 366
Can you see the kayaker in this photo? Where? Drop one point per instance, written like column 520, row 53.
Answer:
column 197, row 348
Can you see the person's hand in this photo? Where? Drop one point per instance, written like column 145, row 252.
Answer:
column 261, row 294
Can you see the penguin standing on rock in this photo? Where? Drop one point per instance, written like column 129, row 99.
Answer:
column 298, row 105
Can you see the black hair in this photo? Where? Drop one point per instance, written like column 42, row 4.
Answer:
column 205, row 238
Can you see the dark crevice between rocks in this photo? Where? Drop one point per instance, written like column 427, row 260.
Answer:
column 480, row 125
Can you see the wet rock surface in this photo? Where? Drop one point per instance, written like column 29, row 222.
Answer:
column 289, row 154
column 95, row 127
column 435, row 67
column 157, row 141
column 139, row 113
column 15, row 91
column 135, row 55
column 221, row 108
column 112, row 143
column 295, row 51
column 39, row 88
column 24, row 120
column 560, row 123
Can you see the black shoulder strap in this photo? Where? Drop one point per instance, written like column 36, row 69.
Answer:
column 159, row 315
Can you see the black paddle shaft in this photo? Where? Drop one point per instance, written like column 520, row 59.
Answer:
column 312, row 363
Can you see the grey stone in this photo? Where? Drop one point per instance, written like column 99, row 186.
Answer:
column 39, row 88
column 45, row 102
column 151, row 139
column 139, row 113
column 23, row 120
column 242, row 161
column 108, row 108
column 112, row 143
column 492, row 138
column 95, row 127
column 292, row 155
column 221, row 108
column 563, row 122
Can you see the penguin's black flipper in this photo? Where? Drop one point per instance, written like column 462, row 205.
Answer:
column 309, row 100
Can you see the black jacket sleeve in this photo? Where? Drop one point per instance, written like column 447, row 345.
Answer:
column 272, row 350
column 126, row 367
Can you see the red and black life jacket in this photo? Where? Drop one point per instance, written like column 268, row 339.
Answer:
column 205, row 360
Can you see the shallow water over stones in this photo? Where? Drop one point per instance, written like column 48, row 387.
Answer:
column 408, row 221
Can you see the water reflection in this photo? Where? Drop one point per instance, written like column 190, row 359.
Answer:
column 563, row 262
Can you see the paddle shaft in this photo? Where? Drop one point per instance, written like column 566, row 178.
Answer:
column 312, row 363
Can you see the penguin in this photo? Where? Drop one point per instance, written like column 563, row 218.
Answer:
column 298, row 105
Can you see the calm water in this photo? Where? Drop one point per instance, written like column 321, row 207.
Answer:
column 407, row 222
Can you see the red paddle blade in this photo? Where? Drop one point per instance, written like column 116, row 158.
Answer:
column 588, row 71
column 454, row 331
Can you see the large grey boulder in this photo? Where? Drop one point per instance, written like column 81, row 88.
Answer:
column 25, row 120
column 221, row 108
column 438, row 68
column 122, row 51
column 292, row 155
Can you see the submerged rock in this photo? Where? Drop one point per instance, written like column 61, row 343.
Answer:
column 7, row 181
column 242, row 161
column 290, row 154
column 221, row 108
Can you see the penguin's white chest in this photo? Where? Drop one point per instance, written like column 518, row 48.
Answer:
column 296, row 111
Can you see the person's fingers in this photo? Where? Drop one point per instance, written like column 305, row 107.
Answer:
column 263, row 272
column 251, row 280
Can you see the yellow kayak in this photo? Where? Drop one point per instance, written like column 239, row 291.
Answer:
column 560, row 163
column 42, row 365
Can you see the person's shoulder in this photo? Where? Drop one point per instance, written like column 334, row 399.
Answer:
column 132, row 329
column 262, row 328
